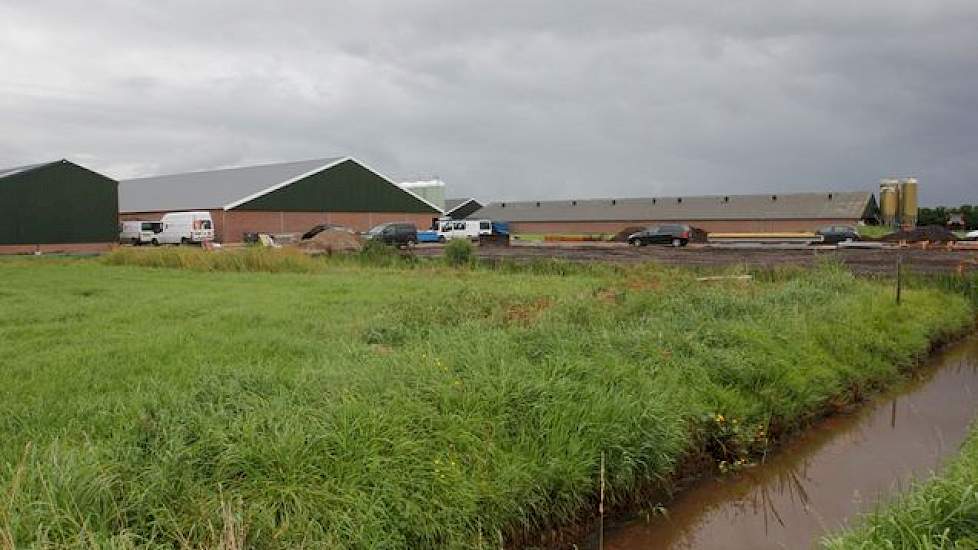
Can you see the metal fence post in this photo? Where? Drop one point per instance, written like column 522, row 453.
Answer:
column 899, row 277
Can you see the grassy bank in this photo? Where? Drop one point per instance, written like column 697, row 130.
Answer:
column 939, row 513
column 357, row 406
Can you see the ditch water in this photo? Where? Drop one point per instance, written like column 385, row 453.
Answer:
column 830, row 474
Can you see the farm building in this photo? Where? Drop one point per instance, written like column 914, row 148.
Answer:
column 432, row 191
column 57, row 206
column 278, row 198
column 722, row 213
column 459, row 209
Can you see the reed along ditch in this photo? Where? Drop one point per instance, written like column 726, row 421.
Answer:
column 842, row 467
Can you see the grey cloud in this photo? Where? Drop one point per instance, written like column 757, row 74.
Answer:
column 506, row 99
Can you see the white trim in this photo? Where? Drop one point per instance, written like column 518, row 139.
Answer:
column 460, row 205
column 395, row 184
column 323, row 168
column 289, row 181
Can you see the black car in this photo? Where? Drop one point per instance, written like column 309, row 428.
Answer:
column 834, row 234
column 398, row 234
column 675, row 234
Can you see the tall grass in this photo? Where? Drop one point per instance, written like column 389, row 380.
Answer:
column 373, row 255
column 941, row 513
column 251, row 258
column 964, row 284
column 405, row 407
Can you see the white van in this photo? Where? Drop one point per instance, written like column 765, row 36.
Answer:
column 140, row 232
column 186, row 228
column 463, row 229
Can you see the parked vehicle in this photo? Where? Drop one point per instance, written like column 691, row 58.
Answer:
column 140, row 232
column 186, row 228
column 675, row 234
column 835, row 234
column 971, row 235
column 428, row 236
column 396, row 233
column 463, row 229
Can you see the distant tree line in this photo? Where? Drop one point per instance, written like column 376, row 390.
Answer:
column 940, row 215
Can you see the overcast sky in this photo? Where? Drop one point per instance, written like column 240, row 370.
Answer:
column 506, row 99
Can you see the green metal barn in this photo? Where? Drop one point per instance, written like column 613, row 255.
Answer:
column 57, row 206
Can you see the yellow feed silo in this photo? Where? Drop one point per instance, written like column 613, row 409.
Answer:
column 889, row 201
column 908, row 202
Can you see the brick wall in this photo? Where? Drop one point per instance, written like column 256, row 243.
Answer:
column 712, row 226
column 230, row 226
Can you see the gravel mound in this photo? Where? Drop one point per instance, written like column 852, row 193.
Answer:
column 332, row 240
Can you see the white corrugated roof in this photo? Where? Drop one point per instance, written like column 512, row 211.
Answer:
column 212, row 189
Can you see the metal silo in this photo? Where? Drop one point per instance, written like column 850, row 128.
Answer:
column 908, row 202
column 889, row 201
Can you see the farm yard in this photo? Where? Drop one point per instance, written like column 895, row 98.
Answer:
column 407, row 404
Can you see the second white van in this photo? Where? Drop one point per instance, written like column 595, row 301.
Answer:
column 186, row 228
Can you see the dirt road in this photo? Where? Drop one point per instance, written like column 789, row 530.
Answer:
column 863, row 261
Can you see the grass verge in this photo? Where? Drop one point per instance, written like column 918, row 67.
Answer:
column 368, row 407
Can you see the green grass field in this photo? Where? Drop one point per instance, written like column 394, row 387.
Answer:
column 941, row 513
column 356, row 406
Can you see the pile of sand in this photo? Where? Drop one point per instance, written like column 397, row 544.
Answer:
column 331, row 241
column 932, row 233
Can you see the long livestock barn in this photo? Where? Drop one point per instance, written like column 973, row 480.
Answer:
column 721, row 213
column 459, row 209
column 57, row 206
column 278, row 198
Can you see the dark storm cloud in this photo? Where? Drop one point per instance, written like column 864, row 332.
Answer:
column 506, row 99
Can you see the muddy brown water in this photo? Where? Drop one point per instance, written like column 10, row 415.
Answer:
column 842, row 467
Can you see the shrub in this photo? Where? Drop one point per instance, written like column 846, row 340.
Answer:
column 458, row 252
column 376, row 253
